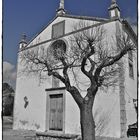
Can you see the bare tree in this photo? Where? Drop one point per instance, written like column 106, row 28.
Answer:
column 97, row 59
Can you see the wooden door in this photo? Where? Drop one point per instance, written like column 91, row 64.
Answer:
column 56, row 112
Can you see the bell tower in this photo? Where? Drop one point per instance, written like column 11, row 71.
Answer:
column 23, row 42
column 61, row 9
column 114, row 10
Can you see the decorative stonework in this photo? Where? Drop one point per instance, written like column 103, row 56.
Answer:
column 61, row 9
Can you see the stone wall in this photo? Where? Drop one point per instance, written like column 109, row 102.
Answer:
column 53, row 136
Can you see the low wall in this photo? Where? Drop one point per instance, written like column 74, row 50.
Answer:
column 54, row 136
column 103, row 138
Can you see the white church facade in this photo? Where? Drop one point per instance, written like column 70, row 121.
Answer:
column 42, row 103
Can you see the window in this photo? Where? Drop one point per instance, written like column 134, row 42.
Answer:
column 58, row 29
column 57, row 50
column 131, row 72
column 56, row 112
column 130, row 55
column 130, row 61
column 55, row 82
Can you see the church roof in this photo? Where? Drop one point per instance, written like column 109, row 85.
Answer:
column 61, row 12
column 101, row 20
column 130, row 30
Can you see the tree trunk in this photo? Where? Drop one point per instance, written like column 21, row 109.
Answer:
column 87, row 122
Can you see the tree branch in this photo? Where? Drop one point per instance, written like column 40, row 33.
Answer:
column 113, row 59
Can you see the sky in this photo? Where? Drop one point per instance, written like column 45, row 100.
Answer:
column 30, row 16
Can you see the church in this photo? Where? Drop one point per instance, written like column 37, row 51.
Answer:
column 42, row 102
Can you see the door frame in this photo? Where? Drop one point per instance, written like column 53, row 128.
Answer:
column 54, row 91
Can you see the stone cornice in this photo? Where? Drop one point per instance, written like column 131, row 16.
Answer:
column 53, row 89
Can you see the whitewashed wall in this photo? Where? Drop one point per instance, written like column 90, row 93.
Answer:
column 33, row 116
column 131, row 90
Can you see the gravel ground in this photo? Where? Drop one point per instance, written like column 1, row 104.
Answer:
column 9, row 134
column 18, row 135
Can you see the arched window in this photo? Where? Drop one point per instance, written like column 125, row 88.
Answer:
column 57, row 50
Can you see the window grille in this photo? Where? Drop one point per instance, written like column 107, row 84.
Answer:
column 57, row 50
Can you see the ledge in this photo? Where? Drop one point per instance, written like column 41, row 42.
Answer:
column 52, row 89
column 56, row 135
